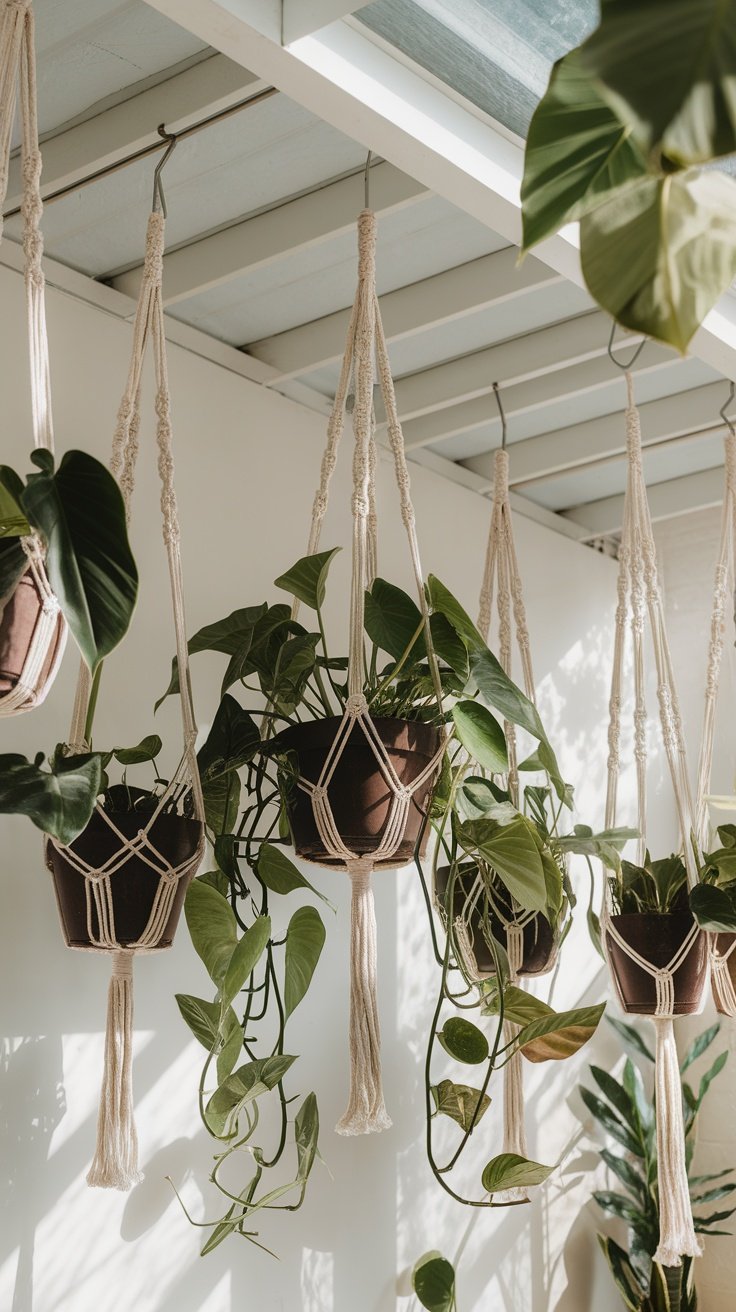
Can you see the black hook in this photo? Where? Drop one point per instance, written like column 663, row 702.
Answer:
column 630, row 363
column 722, row 412
column 159, row 200
column 502, row 415
column 367, row 181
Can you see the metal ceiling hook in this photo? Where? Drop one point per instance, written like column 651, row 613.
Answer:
column 722, row 412
column 159, row 200
column 497, row 393
column 629, row 363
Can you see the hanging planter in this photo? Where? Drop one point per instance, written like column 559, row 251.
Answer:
column 540, row 943
column 664, row 942
column 27, row 609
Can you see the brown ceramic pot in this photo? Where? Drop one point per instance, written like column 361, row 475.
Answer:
column 540, row 945
column 722, row 944
column 359, row 796
column 18, row 620
column 657, row 937
column 133, row 885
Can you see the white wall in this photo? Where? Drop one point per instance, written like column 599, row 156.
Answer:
column 247, row 465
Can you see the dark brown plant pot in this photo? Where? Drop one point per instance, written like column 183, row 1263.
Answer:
column 540, row 943
column 658, row 937
column 133, row 884
column 359, row 795
column 18, row 620
column 722, row 944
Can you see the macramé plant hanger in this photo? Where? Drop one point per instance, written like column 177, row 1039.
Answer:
column 722, row 946
column 365, row 356
column 32, row 629
column 657, row 962
column 120, row 886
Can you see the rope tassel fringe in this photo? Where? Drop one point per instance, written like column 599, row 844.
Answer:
column 677, row 1237
column 366, row 1111
column 115, row 1164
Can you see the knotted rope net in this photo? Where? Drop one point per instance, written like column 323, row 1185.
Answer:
column 18, row 80
column 724, row 586
column 639, row 599
column 364, row 361
column 116, row 1159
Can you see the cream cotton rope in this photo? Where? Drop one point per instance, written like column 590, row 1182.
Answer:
column 725, row 579
column 365, row 357
column 116, row 1159
column 639, row 592
column 18, row 72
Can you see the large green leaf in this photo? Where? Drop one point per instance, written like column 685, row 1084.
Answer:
column 247, row 1083
column 307, row 579
column 231, row 635
column 221, row 801
column 659, row 253
column 510, row 1171
column 463, row 1040
column 670, row 67
column 245, row 957
column 714, row 908
column 442, row 601
column 559, row 1036
column 212, row 928
column 208, row 1025
column 305, row 939
column 232, row 740
column 623, row 1276
column 80, row 512
column 392, row 619
column 13, row 522
column 280, row 875
column 511, row 851
column 461, row 1102
column 577, row 151
column 146, row 750
column 611, row 1122
column 481, row 735
column 433, row 1281
column 519, row 1006
column 13, row 564
column 60, row 801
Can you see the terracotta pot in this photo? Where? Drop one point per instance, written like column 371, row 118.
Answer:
column 133, row 884
column 722, row 944
column 18, row 620
column 657, row 937
column 540, row 944
column 359, row 796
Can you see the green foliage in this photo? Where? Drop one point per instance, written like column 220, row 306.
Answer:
column 59, row 800
column 626, row 1113
column 614, row 141
column 509, row 1171
column 656, row 886
column 433, row 1281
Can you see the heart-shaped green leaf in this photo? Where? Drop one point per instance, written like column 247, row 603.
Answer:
column 464, row 1041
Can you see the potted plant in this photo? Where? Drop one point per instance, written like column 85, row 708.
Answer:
column 75, row 515
column 624, row 1109
column 651, row 913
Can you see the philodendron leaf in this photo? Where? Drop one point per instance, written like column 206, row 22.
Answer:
column 307, row 580
column 212, row 928
column 509, row 1171
column 306, row 1136
column 559, row 1036
column 714, row 908
column 209, row 1027
column 13, row 522
column 433, row 1281
column 464, row 1041
column 659, row 253
column 459, row 1102
column 280, row 875
column 244, row 959
column 231, row 635
column 232, row 741
column 221, row 801
column 577, row 151
column 59, row 801
column 392, row 619
column 146, row 750
column 671, row 69
column 305, row 939
column 511, row 851
column 242, row 1087
column 481, row 736
column 518, row 1006
column 80, row 512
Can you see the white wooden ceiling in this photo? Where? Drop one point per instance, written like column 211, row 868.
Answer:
column 261, row 258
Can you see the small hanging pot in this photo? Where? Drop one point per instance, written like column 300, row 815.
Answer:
column 20, row 617
column 722, row 944
column 173, row 841
column 657, row 938
column 540, row 942
column 358, row 793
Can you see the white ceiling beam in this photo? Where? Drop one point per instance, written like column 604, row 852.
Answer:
column 523, row 398
column 491, row 280
column 359, row 87
column 105, row 138
column 675, row 496
column 302, row 17
column 553, row 454
column 296, row 225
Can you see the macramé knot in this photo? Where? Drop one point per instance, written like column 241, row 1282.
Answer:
column 360, row 870
column 153, row 263
column 366, row 245
column 356, row 705
column 122, row 965
column 501, row 475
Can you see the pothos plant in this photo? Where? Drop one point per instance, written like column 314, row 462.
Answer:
column 624, row 140
column 625, row 1112
column 285, row 675
column 661, row 886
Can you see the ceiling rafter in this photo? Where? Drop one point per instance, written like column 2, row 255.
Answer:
column 702, row 490
column 302, row 17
